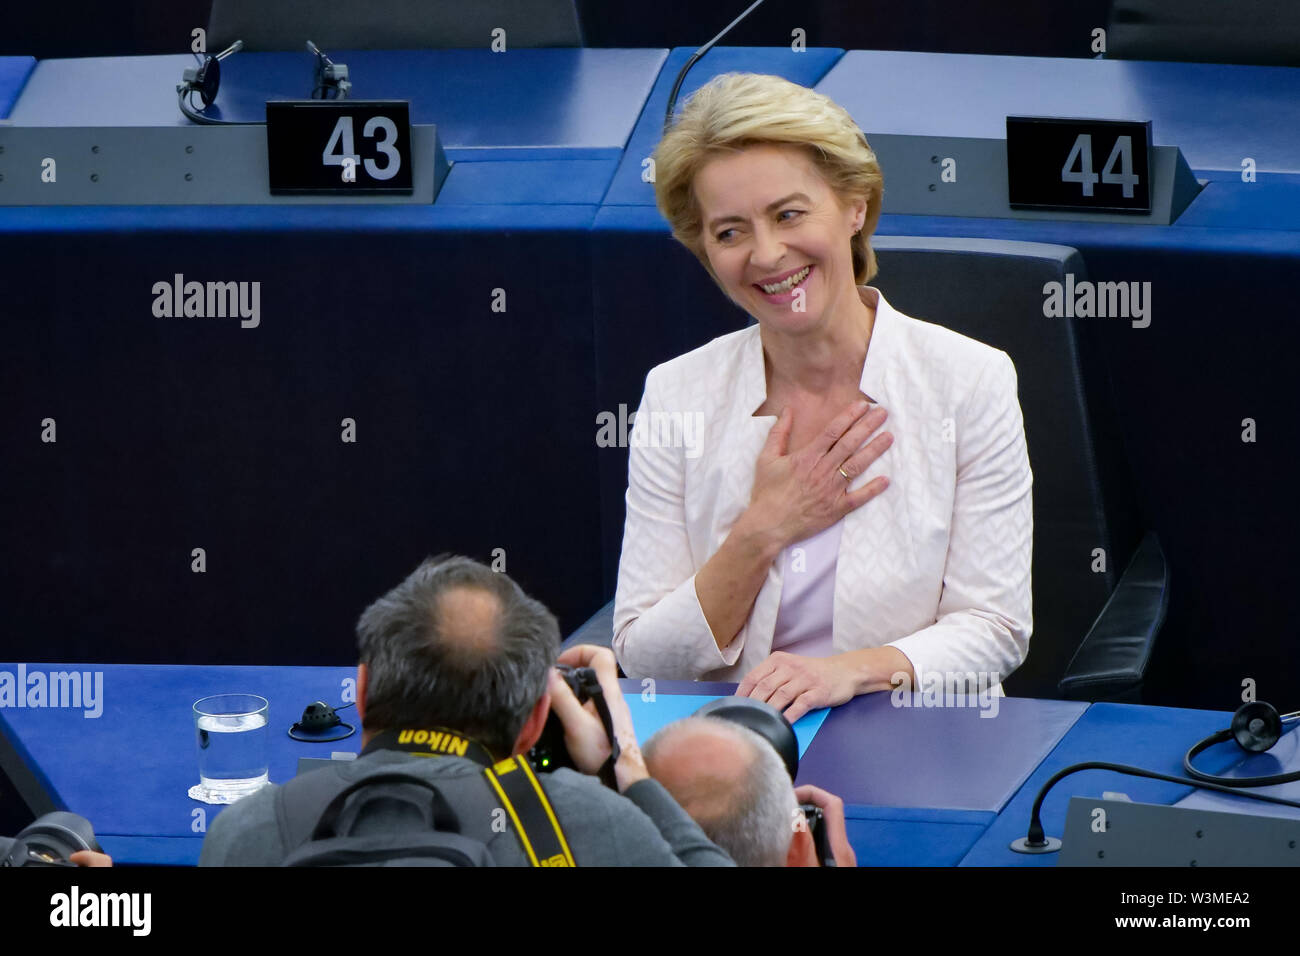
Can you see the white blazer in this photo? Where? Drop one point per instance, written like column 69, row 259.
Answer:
column 938, row 565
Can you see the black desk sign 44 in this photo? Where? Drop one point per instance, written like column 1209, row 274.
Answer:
column 1101, row 165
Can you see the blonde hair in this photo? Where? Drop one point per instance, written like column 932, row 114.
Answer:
column 737, row 110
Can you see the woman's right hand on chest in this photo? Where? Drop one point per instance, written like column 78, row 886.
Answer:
column 800, row 493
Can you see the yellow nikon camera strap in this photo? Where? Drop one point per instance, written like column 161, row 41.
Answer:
column 512, row 780
column 529, row 809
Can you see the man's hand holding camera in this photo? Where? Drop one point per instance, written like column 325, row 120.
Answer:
column 837, row 833
column 90, row 858
column 584, row 734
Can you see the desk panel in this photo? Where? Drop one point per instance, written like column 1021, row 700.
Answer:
column 14, row 72
column 958, row 757
column 558, row 102
column 128, row 763
column 905, row 836
column 129, row 770
column 1217, row 113
column 1153, row 738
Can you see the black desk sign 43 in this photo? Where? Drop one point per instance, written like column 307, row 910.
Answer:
column 338, row 146
column 1103, row 165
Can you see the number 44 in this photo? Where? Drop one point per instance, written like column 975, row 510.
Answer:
column 1122, row 155
column 342, row 136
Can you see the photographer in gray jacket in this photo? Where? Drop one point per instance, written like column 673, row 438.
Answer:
column 460, row 650
column 737, row 788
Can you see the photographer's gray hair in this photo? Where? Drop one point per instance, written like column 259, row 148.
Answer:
column 751, row 817
column 420, row 677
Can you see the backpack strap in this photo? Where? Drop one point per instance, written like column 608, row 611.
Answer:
column 436, row 841
column 535, row 822
column 301, row 804
column 444, row 818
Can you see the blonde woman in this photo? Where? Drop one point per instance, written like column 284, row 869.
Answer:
column 798, row 547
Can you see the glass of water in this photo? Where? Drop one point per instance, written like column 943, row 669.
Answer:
column 230, row 734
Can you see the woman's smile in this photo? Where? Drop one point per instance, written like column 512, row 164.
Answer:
column 782, row 292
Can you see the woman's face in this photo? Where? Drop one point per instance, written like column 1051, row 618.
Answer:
column 768, row 216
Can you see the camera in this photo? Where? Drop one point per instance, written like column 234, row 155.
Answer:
column 816, row 821
column 50, row 839
column 550, row 753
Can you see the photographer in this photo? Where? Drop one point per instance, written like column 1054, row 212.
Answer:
column 457, row 652
column 735, row 786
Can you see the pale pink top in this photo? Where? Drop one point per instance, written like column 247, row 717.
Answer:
column 804, row 621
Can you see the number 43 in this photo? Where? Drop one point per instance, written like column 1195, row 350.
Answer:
column 343, row 135
column 1122, row 155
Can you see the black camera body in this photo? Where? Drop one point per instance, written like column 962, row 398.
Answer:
column 50, row 839
column 550, row 753
column 816, row 822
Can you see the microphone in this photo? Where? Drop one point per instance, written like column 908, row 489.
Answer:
column 1036, row 842
column 677, row 85
column 205, row 80
column 329, row 75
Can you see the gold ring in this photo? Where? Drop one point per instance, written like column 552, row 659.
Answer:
column 844, row 473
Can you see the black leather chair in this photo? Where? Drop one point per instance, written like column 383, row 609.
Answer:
column 1205, row 31
column 1094, row 627
column 391, row 24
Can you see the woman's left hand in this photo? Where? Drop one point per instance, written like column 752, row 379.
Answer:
column 796, row 685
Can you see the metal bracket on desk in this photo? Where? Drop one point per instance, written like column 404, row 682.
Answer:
column 912, row 166
column 173, row 165
column 1143, row 834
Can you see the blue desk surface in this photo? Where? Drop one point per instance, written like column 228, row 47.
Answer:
column 120, row 768
column 14, row 71
column 1153, row 738
column 586, row 101
column 579, row 103
column 237, row 223
column 1217, row 113
column 952, row 758
column 922, row 785
column 652, row 712
column 572, row 127
column 1260, row 207
column 533, row 126
column 129, row 768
